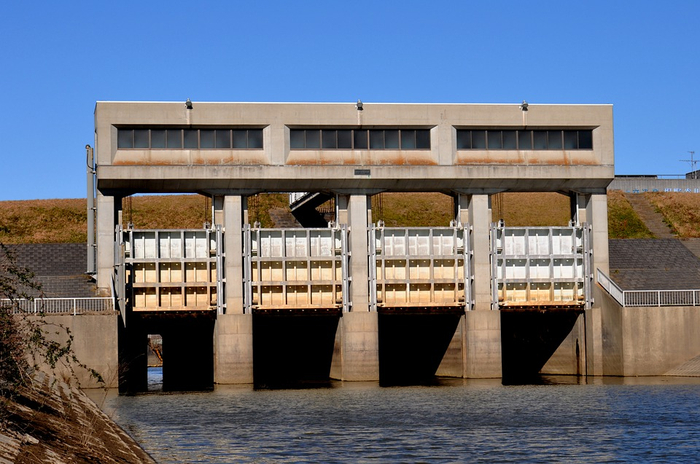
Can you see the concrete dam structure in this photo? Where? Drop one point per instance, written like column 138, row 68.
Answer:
column 357, row 301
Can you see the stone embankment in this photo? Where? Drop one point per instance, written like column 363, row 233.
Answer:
column 57, row 423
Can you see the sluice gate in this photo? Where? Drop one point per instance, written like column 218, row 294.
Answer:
column 541, row 283
column 419, row 267
column 541, row 266
column 173, row 270
column 297, row 287
column 295, row 269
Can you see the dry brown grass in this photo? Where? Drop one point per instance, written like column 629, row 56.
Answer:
column 680, row 210
column 43, row 221
column 413, row 209
column 436, row 209
column 531, row 209
column 60, row 221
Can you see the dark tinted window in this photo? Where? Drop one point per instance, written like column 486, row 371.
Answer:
column 361, row 140
column 479, row 139
column 525, row 140
column 554, row 140
column 174, row 138
column 125, row 138
column 344, row 139
column 223, row 138
column 297, row 139
column 497, row 139
column 141, row 138
column 191, row 138
column 539, row 139
column 376, row 139
column 585, row 140
column 494, row 140
column 391, row 139
column 158, row 138
column 423, row 139
column 207, row 139
column 464, row 140
column 313, row 139
column 329, row 139
column 509, row 140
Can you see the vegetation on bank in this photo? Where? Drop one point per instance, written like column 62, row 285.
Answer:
column 680, row 210
column 65, row 221
column 623, row 221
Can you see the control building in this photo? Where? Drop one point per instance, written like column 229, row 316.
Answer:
column 471, row 268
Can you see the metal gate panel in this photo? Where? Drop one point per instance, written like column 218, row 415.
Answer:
column 295, row 268
column 173, row 269
column 422, row 266
column 540, row 266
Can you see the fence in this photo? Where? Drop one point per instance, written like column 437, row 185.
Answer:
column 66, row 306
column 640, row 298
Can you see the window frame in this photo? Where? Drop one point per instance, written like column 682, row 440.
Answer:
column 176, row 138
column 550, row 138
column 361, row 138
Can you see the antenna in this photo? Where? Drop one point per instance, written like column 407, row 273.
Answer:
column 692, row 162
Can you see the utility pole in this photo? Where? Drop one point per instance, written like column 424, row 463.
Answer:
column 692, row 162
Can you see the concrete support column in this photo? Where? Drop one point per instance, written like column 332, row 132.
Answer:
column 356, row 351
column 233, row 331
column 108, row 213
column 481, row 341
column 593, row 210
column 474, row 210
column 234, row 207
column 233, row 349
column 356, row 354
column 597, row 216
column 356, row 212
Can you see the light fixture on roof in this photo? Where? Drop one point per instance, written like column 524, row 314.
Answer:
column 523, row 106
column 188, row 104
column 358, row 105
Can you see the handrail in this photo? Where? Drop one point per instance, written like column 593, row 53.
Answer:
column 645, row 298
column 66, row 306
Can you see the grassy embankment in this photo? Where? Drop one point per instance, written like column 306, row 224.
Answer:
column 60, row 221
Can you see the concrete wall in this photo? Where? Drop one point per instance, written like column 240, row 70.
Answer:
column 570, row 356
column 94, row 344
column 643, row 184
column 356, row 353
column 648, row 340
column 233, row 349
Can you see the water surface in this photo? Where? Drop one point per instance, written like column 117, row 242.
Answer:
column 648, row 420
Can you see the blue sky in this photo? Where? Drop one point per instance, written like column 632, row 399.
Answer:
column 59, row 58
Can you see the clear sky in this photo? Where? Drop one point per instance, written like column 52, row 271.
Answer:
column 59, row 58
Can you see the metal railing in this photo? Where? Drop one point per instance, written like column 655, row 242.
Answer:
column 639, row 298
column 67, row 306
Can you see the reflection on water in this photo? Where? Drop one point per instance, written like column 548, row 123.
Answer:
column 606, row 420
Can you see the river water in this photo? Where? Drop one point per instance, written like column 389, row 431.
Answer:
column 562, row 420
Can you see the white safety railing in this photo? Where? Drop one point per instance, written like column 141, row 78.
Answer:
column 67, row 306
column 638, row 298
